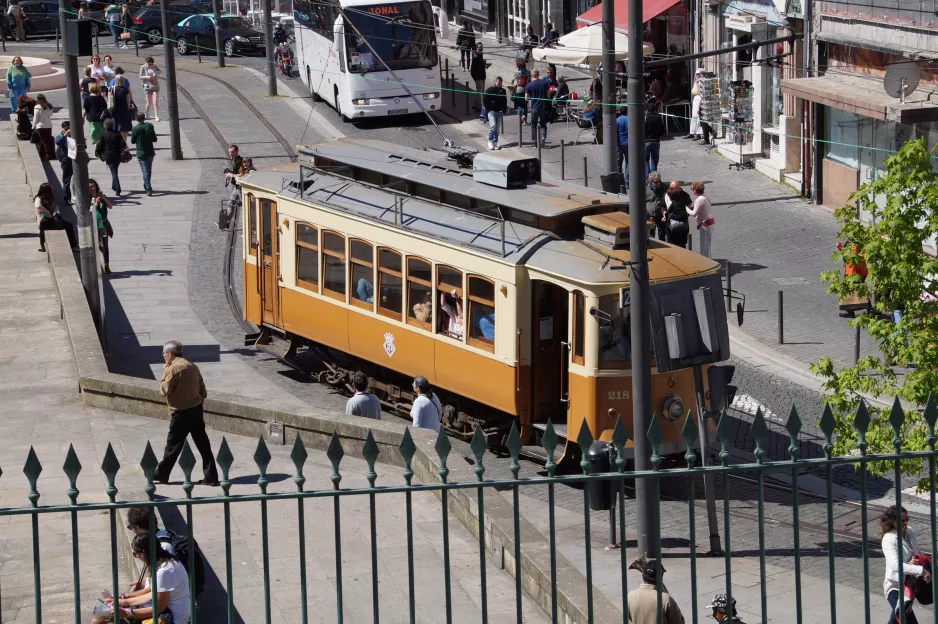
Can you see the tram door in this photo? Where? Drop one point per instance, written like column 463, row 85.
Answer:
column 549, row 353
column 270, row 269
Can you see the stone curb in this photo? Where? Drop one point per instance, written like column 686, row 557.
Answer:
column 247, row 416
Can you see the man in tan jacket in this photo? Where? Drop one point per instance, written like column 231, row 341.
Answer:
column 184, row 390
column 643, row 602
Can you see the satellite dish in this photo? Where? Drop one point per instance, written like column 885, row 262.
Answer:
column 901, row 79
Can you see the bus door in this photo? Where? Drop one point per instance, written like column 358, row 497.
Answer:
column 550, row 353
column 270, row 264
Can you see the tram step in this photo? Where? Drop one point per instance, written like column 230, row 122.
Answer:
column 560, row 430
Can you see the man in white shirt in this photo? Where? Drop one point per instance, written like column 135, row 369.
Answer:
column 426, row 412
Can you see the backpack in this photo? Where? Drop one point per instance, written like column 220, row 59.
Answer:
column 180, row 544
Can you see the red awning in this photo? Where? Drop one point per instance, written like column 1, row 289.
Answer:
column 651, row 10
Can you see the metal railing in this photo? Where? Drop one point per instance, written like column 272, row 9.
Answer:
column 793, row 466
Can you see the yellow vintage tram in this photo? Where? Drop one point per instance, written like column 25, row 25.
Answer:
column 502, row 290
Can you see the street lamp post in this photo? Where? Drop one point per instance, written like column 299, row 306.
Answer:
column 269, row 45
column 645, row 490
column 219, row 52
column 86, row 242
column 169, row 62
column 610, row 147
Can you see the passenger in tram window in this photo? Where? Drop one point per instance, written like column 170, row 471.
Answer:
column 423, row 311
column 487, row 325
column 614, row 334
column 453, row 325
column 365, row 291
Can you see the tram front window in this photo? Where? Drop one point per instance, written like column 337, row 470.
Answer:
column 615, row 333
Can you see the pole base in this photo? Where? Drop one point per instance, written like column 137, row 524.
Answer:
column 612, row 547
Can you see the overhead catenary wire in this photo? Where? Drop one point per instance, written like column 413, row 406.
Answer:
column 474, row 93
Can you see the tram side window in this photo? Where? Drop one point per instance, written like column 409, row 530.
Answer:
column 419, row 293
column 252, row 210
column 333, row 265
column 390, row 284
column 482, row 313
column 307, row 256
column 579, row 318
column 449, row 292
column 362, row 274
column 615, row 333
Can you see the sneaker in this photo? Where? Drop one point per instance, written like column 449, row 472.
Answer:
column 107, row 269
column 157, row 119
column 543, row 142
column 491, row 145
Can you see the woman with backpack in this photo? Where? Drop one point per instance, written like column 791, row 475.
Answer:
column 172, row 582
column 120, row 103
column 110, row 149
column 101, row 204
column 520, row 83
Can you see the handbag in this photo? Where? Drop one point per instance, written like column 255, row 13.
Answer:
column 34, row 138
column 125, row 36
column 133, row 109
column 108, row 228
column 678, row 226
column 110, row 100
column 125, row 156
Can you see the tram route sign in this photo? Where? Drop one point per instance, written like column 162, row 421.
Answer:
column 688, row 323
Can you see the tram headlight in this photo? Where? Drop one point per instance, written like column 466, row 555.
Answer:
column 672, row 408
column 431, row 96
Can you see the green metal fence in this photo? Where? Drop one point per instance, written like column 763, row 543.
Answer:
column 370, row 452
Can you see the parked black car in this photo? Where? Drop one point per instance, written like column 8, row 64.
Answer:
column 148, row 21
column 238, row 35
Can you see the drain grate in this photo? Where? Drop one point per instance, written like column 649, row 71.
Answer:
column 790, row 281
column 164, row 248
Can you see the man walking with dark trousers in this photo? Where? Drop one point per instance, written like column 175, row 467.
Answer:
column 61, row 152
column 184, row 390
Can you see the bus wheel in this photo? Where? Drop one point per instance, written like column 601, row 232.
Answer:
column 338, row 108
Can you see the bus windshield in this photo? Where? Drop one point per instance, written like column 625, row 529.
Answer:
column 401, row 33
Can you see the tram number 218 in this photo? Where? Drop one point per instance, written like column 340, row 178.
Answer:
column 618, row 395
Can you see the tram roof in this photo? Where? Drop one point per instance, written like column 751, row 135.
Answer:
column 434, row 169
column 469, row 229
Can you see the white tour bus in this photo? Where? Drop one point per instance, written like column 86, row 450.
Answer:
column 340, row 68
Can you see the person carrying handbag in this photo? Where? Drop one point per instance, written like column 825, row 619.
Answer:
column 111, row 150
column 677, row 201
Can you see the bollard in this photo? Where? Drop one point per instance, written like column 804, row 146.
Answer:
column 781, row 317
column 586, row 180
column 538, row 136
column 198, row 51
column 97, row 48
column 520, row 130
column 690, row 242
column 445, row 69
column 562, row 161
column 57, row 43
column 3, row 39
column 468, row 95
column 856, row 347
column 136, row 46
column 452, row 89
column 729, row 286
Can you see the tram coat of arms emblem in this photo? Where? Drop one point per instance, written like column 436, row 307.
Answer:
column 389, row 347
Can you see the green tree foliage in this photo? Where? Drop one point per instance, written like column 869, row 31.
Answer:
column 903, row 210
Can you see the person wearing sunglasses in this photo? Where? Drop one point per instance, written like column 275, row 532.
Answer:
column 893, row 523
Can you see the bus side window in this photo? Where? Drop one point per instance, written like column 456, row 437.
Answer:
column 419, row 293
column 307, row 256
column 333, row 265
column 482, row 313
column 451, row 319
column 579, row 318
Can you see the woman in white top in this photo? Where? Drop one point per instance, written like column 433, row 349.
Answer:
column 172, row 587
column 42, row 125
column 150, row 76
column 455, row 327
column 895, row 550
column 703, row 212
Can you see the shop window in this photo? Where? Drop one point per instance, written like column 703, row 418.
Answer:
column 362, row 271
column 390, row 284
column 579, row 318
column 333, row 265
column 449, row 293
column 252, row 215
column 482, row 313
column 307, row 256
column 419, row 293
column 615, row 337
column 844, row 137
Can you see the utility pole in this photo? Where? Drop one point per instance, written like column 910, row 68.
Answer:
column 269, row 45
column 219, row 52
column 169, row 62
column 610, row 145
column 87, row 248
column 645, row 489
column 808, row 154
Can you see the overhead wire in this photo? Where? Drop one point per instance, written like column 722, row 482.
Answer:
column 473, row 93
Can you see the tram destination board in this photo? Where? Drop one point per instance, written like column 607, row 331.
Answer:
column 688, row 323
